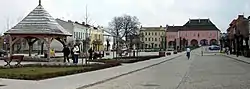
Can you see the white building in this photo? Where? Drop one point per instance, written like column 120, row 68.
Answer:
column 79, row 31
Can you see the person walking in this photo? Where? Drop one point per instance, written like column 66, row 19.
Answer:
column 188, row 52
column 90, row 53
column 72, row 54
column 76, row 51
column 202, row 50
column 66, row 52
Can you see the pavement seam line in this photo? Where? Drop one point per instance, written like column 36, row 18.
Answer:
column 182, row 80
column 106, row 80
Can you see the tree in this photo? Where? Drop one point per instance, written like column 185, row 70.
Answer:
column 124, row 27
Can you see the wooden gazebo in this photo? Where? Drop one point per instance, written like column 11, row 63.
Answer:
column 37, row 25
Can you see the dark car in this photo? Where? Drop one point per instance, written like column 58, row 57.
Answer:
column 3, row 52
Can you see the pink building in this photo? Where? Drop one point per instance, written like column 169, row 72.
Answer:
column 195, row 32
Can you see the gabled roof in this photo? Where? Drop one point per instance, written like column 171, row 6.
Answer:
column 200, row 24
column 38, row 21
column 174, row 28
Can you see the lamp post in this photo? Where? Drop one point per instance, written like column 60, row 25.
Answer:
column 161, row 49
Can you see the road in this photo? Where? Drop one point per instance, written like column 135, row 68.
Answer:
column 201, row 72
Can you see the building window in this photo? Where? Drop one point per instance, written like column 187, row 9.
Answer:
column 156, row 33
column 146, row 33
column 77, row 34
column 148, row 39
column 145, row 39
column 146, row 45
column 74, row 34
column 155, row 45
column 155, row 39
column 149, row 33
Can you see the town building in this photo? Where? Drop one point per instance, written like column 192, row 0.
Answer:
column 80, row 32
column 194, row 33
column 153, row 37
column 97, row 38
column 238, row 36
column 249, row 30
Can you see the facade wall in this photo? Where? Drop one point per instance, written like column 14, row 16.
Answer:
column 80, row 33
column 249, row 30
column 193, row 35
column 97, row 34
column 152, row 39
column 171, row 36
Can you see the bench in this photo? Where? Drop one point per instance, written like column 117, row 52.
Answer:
column 18, row 58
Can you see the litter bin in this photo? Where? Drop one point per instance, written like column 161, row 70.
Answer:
column 45, row 55
column 162, row 53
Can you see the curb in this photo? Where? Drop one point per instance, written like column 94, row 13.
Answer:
column 237, row 59
column 106, row 80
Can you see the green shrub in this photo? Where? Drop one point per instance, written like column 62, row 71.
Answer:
column 39, row 71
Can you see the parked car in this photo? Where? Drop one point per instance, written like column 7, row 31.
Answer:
column 3, row 52
column 214, row 47
column 170, row 49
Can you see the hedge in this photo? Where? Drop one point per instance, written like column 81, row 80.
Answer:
column 39, row 71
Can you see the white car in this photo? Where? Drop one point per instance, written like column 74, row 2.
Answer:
column 214, row 47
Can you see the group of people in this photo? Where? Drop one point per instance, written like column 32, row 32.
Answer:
column 74, row 51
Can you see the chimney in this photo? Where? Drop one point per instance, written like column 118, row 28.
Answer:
column 160, row 26
column 189, row 20
column 83, row 23
column 199, row 20
column 173, row 25
column 69, row 21
column 76, row 22
column 240, row 16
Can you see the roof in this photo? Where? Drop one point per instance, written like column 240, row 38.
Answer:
column 233, row 22
column 200, row 24
column 174, row 28
column 38, row 21
column 153, row 28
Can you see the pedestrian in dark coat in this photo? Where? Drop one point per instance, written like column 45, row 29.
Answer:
column 72, row 54
column 90, row 53
column 66, row 52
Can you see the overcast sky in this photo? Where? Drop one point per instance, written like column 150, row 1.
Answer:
column 149, row 12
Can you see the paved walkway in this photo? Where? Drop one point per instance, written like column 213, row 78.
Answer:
column 201, row 72
column 240, row 58
column 86, row 79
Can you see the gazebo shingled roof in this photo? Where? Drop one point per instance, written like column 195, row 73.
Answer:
column 38, row 21
column 37, row 25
